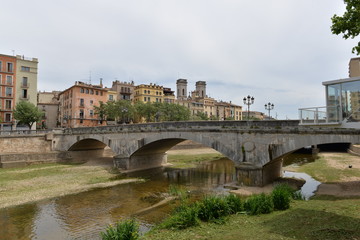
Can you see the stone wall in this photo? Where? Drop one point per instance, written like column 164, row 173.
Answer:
column 24, row 144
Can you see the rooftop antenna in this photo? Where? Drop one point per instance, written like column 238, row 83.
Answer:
column 13, row 51
column 90, row 77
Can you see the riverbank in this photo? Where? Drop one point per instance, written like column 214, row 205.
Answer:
column 45, row 181
column 339, row 174
column 332, row 214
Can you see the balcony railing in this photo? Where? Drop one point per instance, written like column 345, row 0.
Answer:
column 320, row 115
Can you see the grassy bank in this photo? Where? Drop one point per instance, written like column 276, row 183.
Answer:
column 332, row 167
column 324, row 219
column 37, row 182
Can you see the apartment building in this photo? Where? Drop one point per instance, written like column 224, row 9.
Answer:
column 76, row 105
column 148, row 93
column 124, row 90
column 7, row 90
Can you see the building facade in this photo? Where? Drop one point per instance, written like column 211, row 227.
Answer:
column 200, row 103
column 7, row 90
column 76, row 105
column 149, row 93
column 48, row 102
column 124, row 90
column 354, row 67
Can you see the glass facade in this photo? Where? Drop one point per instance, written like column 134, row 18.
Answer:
column 343, row 100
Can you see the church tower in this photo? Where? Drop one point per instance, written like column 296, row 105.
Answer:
column 181, row 86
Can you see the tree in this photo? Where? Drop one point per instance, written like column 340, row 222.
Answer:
column 101, row 111
column 349, row 23
column 27, row 113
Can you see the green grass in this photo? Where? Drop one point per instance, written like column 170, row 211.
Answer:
column 321, row 171
column 314, row 220
column 187, row 161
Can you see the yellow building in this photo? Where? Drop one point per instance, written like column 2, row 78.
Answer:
column 148, row 93
column 26, row 74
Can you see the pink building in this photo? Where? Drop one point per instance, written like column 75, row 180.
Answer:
column 76, row 105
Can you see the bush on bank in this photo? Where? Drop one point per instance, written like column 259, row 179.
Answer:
column 126, row 230
column 213, row 209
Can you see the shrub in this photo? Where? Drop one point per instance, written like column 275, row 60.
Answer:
column 126, row 230
column 259, row 204
column 234, row 203
column 281, row 196
column 297, row 195
column 212, row 208
column 183, row 217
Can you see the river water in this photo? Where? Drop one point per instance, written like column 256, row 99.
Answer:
column 85, row 215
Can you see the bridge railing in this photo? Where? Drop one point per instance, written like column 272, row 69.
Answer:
column 319, row 115
column 187, row 125
column 23, row 132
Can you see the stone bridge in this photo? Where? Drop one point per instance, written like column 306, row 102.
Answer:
column 255, row 147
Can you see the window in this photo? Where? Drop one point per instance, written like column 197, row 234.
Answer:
column 101, row 93
column 8, row 104
column 9, row 67
column 148, row 91
column 0, row 66
column 96, row 92
column 81, row 102
column 81, row 90
column 91, row 112
column 91, row 91
column 148, row 99
column 25, row 69
column 144, row 99
column 9, row 80
column 81, row 115
column 87, row 91
column 8, row 92
column 145, row 91
column 91, row 102
column 111, row 97
column 0, row 79
column 25, row 81
column 7, row 117
column 24, row 93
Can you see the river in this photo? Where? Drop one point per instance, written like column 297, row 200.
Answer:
column 85, row 215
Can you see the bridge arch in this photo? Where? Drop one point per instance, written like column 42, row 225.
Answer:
column 158, row 143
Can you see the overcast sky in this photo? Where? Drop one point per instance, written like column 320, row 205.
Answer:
column 278, row 51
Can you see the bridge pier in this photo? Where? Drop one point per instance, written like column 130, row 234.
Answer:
column 251, row 175
column 138, row 162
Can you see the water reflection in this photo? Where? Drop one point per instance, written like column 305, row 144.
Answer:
column 86, row 214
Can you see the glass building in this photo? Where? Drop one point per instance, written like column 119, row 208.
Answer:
column 343, row 99
column 342, row 105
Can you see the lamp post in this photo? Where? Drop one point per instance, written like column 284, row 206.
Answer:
column 269, row 106
column 248, row 101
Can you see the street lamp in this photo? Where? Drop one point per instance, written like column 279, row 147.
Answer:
column 269, row 107
column 248, row 101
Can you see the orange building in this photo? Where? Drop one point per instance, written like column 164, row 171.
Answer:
column 76, row 105
column 7, row 90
